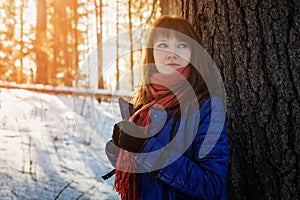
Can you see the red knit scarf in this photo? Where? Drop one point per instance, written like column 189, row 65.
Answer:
column 126, row 181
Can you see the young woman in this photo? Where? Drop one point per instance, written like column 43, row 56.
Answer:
column 172, row 143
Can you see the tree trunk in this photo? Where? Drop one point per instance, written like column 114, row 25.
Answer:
column 117, row 87
column 99, row 24
column 41, row 56
column 56, row 42
column 256, row 46
column 131, row 44
column 170, row 7
column 21, row 41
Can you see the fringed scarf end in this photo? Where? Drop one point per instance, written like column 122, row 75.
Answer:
column 126, row 182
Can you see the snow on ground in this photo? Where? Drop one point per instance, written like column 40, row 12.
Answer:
column 52, row 146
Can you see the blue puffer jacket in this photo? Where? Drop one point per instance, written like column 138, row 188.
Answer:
column 192, row 165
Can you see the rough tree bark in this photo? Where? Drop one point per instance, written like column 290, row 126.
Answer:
column 256, row 45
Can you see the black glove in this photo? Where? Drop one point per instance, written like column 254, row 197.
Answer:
column 130, row 137
column 116, row 134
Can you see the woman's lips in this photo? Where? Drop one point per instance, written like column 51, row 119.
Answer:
column 172, row 65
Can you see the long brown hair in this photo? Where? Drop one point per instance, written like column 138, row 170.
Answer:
column 179, row 27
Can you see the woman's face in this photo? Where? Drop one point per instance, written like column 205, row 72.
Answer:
column 170, row 54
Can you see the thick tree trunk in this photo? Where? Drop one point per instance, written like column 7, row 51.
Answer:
column 256, row 46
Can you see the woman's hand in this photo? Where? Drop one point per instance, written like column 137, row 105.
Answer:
column 124, row 136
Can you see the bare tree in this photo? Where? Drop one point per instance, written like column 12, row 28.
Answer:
column 41, row 56
column 99, row 25
column 117, row 46
column 131, row 43
column 21, row 40
column 169, row 7
column 256, row 46
column 56, row 40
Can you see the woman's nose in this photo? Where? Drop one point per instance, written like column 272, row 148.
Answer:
column 172, row 55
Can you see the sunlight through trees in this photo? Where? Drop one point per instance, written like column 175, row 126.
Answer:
column 47, row 41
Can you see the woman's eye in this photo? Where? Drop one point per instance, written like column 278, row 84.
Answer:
column 162, row 45
column 182, row 45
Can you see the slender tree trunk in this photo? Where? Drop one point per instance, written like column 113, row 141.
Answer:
column 41, row 56
column 66, row 42
column 76, row 38
column 98, row 9
column 131, row 44
column 56, row 42
column 72, row 54
column 170, row 7
column 21, row 40
column 256, row 46
column 165, row 7
column 117, row 46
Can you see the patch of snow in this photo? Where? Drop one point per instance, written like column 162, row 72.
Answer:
column 52, row 146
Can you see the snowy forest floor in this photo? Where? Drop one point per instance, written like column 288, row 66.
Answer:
column 52, row 146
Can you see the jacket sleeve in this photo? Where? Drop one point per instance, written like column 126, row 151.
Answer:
column 112, row 152
column 201, row 174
